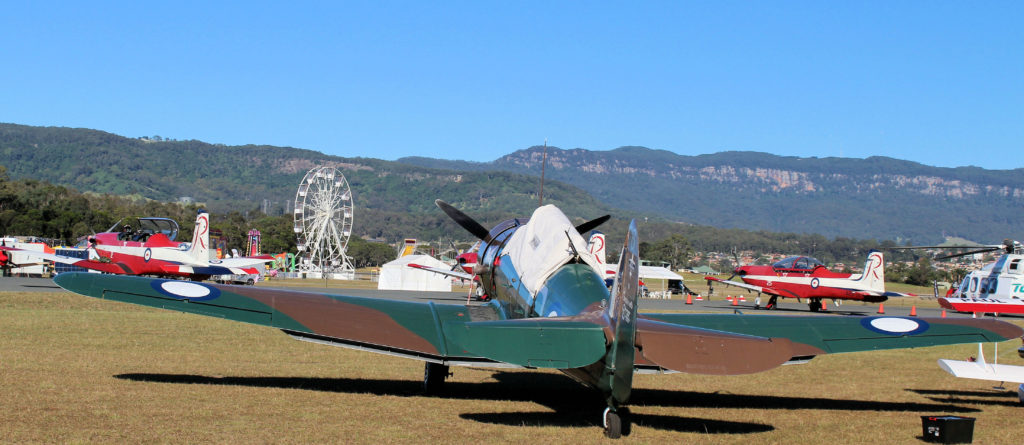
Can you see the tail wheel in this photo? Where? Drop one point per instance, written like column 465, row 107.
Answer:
column 617, row 423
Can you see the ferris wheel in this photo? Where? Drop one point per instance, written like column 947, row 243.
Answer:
column 323, row 222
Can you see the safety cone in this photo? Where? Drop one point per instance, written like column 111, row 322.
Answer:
column 735, row 301
column 743, row 299
column 700, row 298
column 913, row 311
column 689, row 299
column 943, row 313
column 881, row 308
column 824, row 305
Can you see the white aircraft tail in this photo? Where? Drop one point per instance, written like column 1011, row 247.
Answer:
column 874, row 272
column 596, row 246
column 199, row 249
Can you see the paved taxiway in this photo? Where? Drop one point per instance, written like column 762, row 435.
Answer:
column 894, row 306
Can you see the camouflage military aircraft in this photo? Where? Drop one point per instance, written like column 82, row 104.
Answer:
column 549, row 309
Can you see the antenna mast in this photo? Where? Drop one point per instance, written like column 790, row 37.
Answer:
column 543, row 164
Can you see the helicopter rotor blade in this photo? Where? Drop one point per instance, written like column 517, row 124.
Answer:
column 972, row 252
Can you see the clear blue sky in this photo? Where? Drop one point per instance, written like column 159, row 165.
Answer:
column 936, row 82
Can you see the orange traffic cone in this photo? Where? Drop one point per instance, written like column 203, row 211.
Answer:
column 824, row 306
column 913, row 311
column 881, row 308
column 735, row 301
column 689, row 299
column 943, row 313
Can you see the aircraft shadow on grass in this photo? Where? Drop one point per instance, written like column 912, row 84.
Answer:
column 980, row 397
column 563, row 396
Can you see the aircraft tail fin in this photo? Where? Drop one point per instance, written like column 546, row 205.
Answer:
column 199, row 249
column 874, row 271
column 621, row 314
column 596, row 246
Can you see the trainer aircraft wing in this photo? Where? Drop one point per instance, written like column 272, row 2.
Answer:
column 447, row 272
column 761, row 289
column 249, row 261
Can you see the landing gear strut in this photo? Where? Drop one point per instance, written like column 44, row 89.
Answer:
column 434, row 375
column 771, row 303
column 616, row 422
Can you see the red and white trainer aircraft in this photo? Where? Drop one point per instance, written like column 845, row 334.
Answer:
column 151, row 250
column 803, row 277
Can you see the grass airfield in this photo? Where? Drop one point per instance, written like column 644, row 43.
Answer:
column 76, row 369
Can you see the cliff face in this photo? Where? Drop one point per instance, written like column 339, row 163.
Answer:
column 877, row 197
column 809, row 180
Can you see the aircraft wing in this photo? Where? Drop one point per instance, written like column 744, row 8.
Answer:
column 74, row 261
column 243, row 262
column 815, row 335
column 440, row 333
column 447, row 272
column 763, row 290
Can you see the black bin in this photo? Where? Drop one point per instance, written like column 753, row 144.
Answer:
column 948, row 429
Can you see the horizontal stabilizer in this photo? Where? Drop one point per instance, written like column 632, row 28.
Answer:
column 983, row 371
column 705, row 351
column 539, row 343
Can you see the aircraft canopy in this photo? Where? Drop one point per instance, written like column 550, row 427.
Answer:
column 797, row 262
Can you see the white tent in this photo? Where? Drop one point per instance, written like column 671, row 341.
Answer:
column 398, row 275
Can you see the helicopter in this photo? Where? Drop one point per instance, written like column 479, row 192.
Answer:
column 998, row 287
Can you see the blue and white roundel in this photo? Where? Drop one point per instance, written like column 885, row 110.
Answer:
column 185, row 290
column 895, row 325
column 814, row 283
column 147, row 255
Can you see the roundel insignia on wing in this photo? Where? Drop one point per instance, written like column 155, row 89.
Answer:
column 814, row 283
column 895, row 325
column 185, row 290
column 147, row 255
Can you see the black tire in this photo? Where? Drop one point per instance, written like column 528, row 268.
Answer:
column 434, row 375
column 612, row 424
column 815, row 306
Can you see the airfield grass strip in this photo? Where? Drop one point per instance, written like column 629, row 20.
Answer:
column 81, row 370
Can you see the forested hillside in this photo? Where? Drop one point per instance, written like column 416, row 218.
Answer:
column 393, row 200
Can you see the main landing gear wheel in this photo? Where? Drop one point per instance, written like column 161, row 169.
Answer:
column 616, row 423
column 771, row 304
column 815, row 305
column 434, row 375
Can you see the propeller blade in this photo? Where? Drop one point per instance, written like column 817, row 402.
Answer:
column 592, row 224
column 462, row 219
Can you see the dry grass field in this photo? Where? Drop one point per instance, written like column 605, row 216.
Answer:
column 80, row 370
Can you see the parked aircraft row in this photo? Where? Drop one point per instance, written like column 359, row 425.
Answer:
column 549, row 308
column 150, row 249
